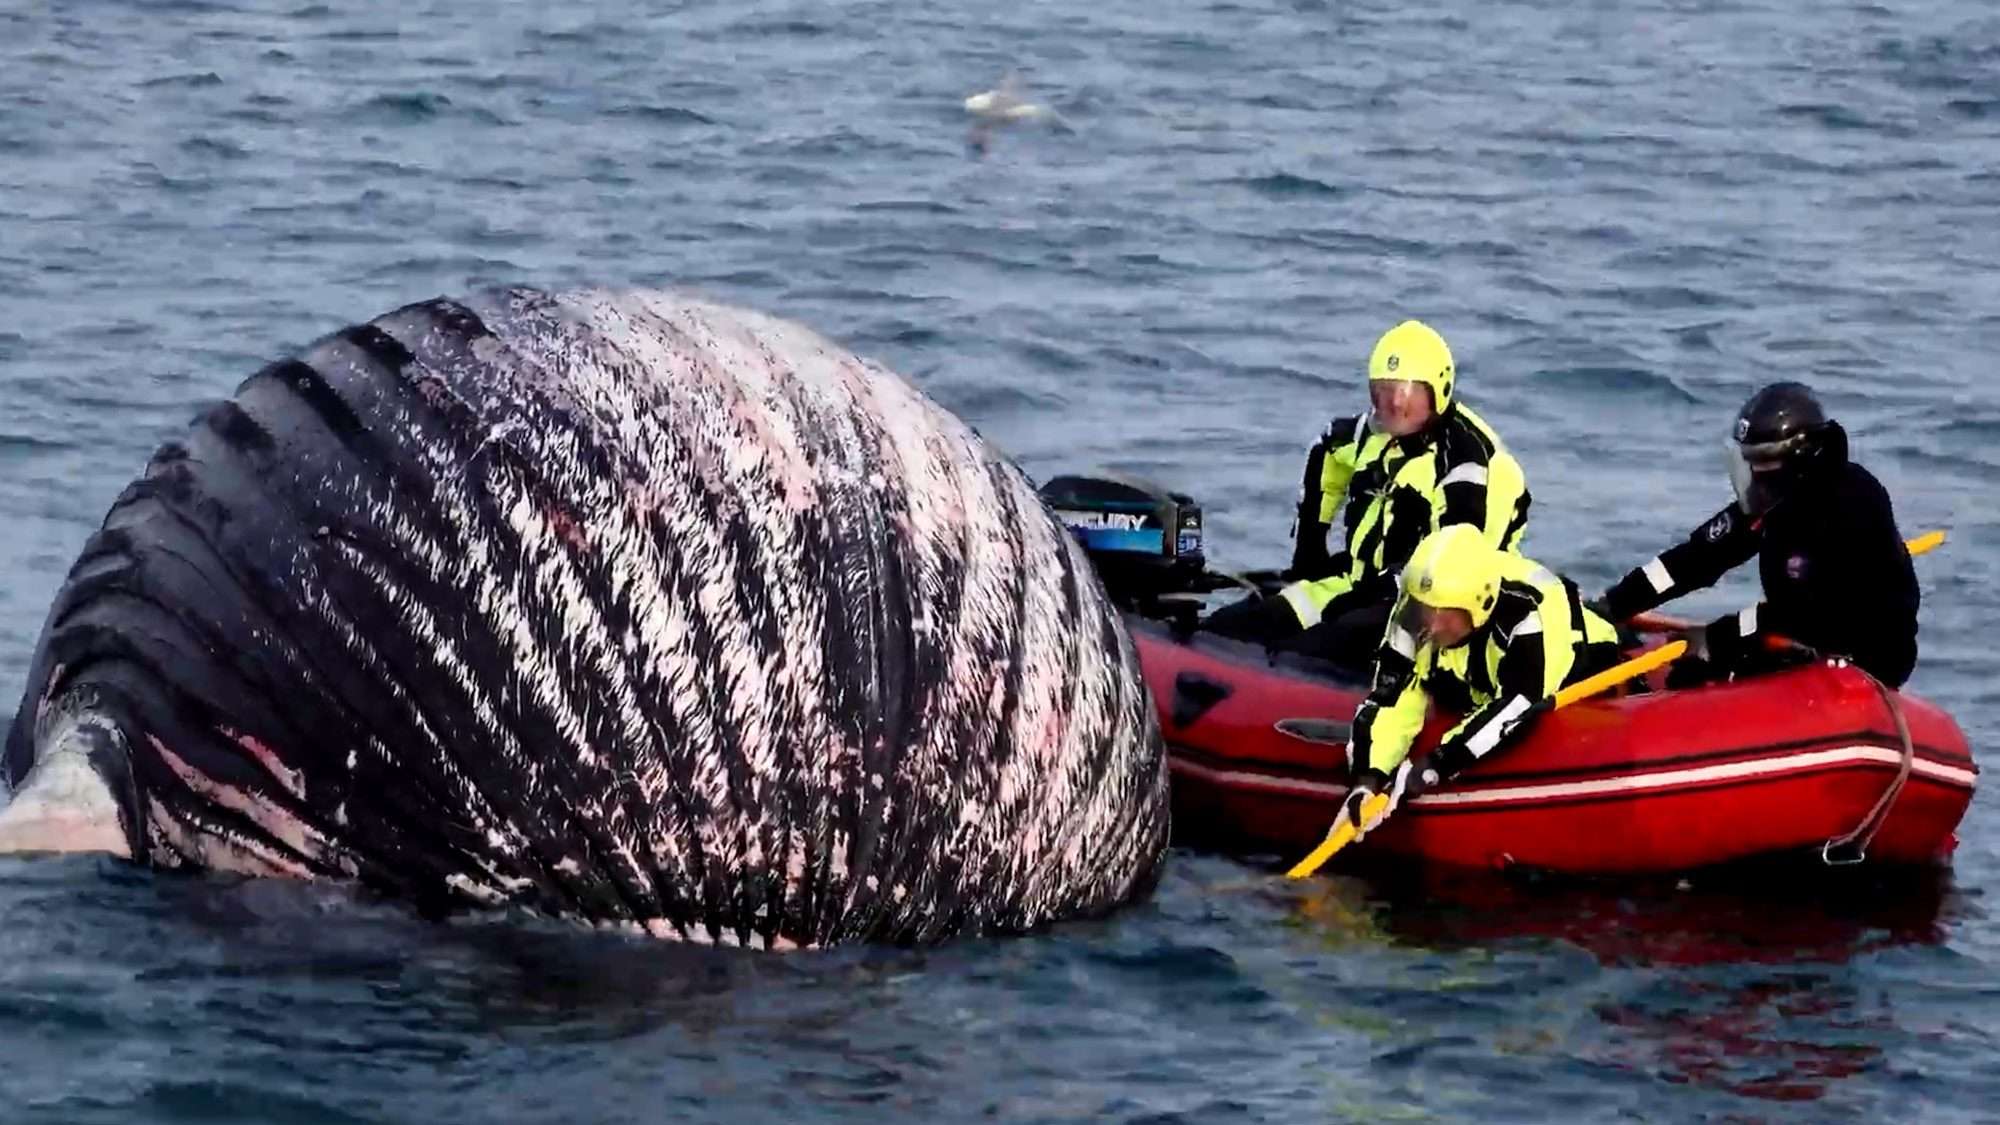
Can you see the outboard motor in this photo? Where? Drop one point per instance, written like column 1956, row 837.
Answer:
column 1144, row 539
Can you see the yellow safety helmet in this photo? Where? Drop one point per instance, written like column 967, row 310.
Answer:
column 1413, row 351
column 1455, row 568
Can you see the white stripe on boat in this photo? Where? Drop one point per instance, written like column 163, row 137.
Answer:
column 1630, row 783
column 1698, row 775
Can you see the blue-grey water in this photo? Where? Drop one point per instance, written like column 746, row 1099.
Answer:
column 1625, row 215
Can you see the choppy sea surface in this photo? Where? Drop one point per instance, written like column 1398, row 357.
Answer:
column 1624, row 215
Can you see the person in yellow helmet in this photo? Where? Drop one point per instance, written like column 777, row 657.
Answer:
column 1419, row 460
column 1484, row 633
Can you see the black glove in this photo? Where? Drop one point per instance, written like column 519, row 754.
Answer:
column 1367, row 785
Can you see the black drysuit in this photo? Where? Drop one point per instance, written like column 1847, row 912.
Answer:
column 1837, row 576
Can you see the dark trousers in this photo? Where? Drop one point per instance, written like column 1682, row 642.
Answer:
column 1346, row 636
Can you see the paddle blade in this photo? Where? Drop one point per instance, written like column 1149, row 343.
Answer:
column 1339, row 837
column 1929, row 540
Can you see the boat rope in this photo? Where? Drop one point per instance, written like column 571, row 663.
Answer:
column 1853, row 847
column 1245, row 581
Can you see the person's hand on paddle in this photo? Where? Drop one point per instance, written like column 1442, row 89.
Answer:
column 1406, row 782
column 1364, row 787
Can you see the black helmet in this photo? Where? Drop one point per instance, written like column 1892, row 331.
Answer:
column 1780, row 437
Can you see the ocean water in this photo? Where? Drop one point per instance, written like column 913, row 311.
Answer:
column 1624, row 215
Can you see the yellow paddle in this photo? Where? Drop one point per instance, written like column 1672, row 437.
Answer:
column 1342, row 832
column 1924, row 542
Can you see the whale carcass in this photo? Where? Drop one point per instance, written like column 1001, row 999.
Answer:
column 627, row 607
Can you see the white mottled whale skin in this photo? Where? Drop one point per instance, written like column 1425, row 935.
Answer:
column 624, row 607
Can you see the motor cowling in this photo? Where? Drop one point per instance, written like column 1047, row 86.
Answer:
column 1144, row 539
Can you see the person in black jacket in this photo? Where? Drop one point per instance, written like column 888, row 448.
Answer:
column 1836, row 573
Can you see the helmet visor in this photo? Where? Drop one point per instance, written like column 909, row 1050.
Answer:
column 1412, row 624
column 1398, row 406
column 1757, row 473
column 1408, row 624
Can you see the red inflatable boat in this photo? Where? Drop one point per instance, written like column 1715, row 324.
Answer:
column 1815, row 760
column 1674, row 781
